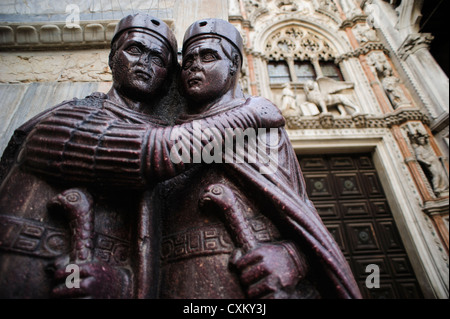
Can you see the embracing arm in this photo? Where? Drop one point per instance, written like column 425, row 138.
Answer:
column 87, row 145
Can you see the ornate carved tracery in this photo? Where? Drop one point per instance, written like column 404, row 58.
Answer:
column 298, row 43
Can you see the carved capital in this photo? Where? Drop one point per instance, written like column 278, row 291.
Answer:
column 364, row 50
column 413, row 43
column 436, row 207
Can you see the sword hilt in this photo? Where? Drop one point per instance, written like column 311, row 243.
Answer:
column 225, row 199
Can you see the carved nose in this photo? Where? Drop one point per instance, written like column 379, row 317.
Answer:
column 144, row 60
column 196, row 65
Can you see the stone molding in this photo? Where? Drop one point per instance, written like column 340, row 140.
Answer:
column 56, row 36
column 414, row 42
column 367, row 48
column 436, row 207
column 330, row 121
column 351, row 22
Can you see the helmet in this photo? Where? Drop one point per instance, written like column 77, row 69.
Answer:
column 217, row 27
column 145, row 23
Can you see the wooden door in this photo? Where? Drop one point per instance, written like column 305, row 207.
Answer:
column 348, row 195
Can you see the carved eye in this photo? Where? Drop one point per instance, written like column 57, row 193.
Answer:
column 216, row 190
column 209, row 57
column 187, row 63
column 73, row 197
column 133, row 50
column 158, row 61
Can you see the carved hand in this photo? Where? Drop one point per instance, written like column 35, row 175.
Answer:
column 98, row 280
column 271, row 271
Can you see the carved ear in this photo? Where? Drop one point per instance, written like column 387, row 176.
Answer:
column 234, row 68
column 110, row 59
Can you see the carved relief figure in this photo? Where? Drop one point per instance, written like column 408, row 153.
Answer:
column 288, row 101
column 288, row 5
column 233, row 7
column 364, row 33
column 431, row 164
column 303, row 7
column 390, row 83
column 328, row 5
column 323, row 93
column 350, row 8
column 255, row 7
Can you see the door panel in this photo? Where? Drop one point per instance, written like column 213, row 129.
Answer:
column 349, row 198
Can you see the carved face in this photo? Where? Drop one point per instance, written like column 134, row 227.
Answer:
column 140, row 66
column 421, row 140
column 309, row 85
column 207, row 71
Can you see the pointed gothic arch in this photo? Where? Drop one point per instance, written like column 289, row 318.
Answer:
column 295, row 50
column 299, row 38
column 328, row 33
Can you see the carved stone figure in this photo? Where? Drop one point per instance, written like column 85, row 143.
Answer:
column 350, row 8
column 239, row 225
column 365, row 34
column 323, row 93
column 255, row 7
column 233, row 7
column 228, row 224
column 391, row 85
column 328, row 5
column 288, row 101
column 288, row 5
column 35, row 245
column 304, row 7
column 431, row 164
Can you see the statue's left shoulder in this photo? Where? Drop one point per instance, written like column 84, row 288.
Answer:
column 95, row 99
column 266, row 110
